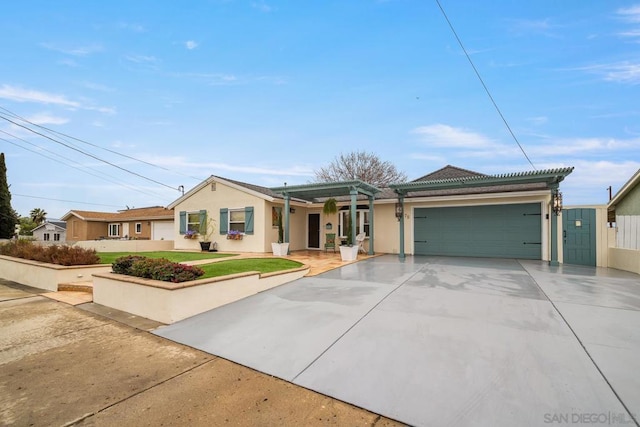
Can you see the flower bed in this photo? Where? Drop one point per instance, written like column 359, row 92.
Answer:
column 234, row 235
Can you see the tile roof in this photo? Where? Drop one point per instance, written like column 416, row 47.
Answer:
column 448, row 172
column 153, row 212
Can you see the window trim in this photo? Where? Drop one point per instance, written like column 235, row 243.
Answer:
column 114, row 224
column 56, row 237
column 243, row 222
column 46, row 237
column 361, row 225
column 138, row 228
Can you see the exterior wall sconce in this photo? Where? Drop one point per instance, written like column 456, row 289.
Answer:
column 292, row 210
column 399, row 211
column 328, row 226
column 557, row 202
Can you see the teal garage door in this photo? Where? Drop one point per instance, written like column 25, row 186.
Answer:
column 497, row 231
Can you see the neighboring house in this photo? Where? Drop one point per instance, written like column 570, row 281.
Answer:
column 51, row 231
column 625, row 207
column 151, row 223
column 452, row 211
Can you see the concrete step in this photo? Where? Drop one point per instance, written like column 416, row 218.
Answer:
column 76, row 287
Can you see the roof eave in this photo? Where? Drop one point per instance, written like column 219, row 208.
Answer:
column 628, row 186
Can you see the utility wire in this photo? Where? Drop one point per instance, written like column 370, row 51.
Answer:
column 113, row 181
column 95, row 145
column 67, row 201
column 87, row 154
column 484, row 85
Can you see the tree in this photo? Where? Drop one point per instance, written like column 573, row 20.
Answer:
column 38, row 216
column 360, row 165
column 26, row 226
column 8, row 217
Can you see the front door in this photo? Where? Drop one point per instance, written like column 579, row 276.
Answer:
column 314, row 231
column 579, row 236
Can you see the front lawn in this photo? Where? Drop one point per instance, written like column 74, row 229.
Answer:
column 263, row 265
column 110, row 257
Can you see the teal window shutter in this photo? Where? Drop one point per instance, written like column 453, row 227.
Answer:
column 183, row 222
column 248, row 220
column 224, row 220
column 203, row 219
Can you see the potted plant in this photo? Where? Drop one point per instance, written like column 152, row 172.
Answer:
column 206, row 230
column 330, row 206
column 281, row 248
column 349, row 251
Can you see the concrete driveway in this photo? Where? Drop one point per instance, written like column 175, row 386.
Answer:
column 445, row 341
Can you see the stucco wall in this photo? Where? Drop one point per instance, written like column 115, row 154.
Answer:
column 170, row 302
column 212, row 201
column 630, row 204
column 126, row 245
column 625, row 259
column 45, row 276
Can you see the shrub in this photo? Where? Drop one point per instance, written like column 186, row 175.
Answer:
column 56, row 254
column 156, row 268
column 123, row 264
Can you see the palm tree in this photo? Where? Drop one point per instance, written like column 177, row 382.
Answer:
column 38, row 216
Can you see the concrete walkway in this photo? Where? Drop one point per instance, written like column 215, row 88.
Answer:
column 445, row 341
column 62, row 365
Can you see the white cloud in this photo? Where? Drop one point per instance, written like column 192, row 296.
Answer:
column 208, row 168
column 539, row 120
column 580, row 146
column 18, row 94
column 621, row 72
column 630, row 14
column 74, row 51
column 190, row 44
column 130, row 26
column 439, row 135
column 262, row 6
column 47, row 119
column 141, row 59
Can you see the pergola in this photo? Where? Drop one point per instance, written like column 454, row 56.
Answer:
column 314, row 192
column 550, row 177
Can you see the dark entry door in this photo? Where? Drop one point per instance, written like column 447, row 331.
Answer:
column 579, row 236
column 314, row 231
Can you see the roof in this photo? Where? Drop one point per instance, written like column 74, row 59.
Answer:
column 57, row 224
column 141, row 214
column 256, row 190
column 626, row 188
column 448, row 172
column 312, row 192
column 480, row 183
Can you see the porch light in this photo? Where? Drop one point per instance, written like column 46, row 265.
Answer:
column 557, row 202
column 399, row 211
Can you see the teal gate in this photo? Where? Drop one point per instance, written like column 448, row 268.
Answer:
column 579, row 236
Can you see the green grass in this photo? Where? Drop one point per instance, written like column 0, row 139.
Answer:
column 110, row 257
column 232, row 266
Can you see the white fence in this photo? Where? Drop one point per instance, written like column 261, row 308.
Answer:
column 628, row 231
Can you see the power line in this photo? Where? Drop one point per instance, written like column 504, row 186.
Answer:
column 67, row 201
column 95, row 145
column 86, row 154
column 114, row 180
column 484, row 85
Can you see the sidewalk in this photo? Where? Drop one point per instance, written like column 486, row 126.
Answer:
column 66, row 365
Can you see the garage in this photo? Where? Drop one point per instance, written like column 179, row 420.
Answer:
column 495, row 231
column 162, row 230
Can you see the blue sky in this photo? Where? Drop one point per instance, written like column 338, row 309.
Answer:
column 268, row 91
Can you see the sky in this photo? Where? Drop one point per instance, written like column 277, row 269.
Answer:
column 132, row 100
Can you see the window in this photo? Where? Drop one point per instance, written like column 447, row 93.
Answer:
column 193, row 221
column 114, row 230
column 138, row 227
column 56, row 237
column 46, row 237
column 361, row 224
column 236, row 220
